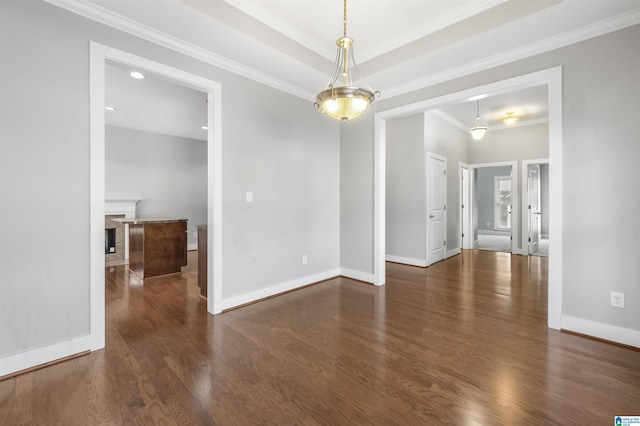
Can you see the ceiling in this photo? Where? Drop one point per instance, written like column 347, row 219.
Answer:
column 400, row 45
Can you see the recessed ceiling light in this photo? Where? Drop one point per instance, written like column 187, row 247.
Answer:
column 204, row 127
column 136, row 74
column 110, row 108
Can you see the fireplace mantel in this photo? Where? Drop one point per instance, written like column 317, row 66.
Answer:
column 125, row 206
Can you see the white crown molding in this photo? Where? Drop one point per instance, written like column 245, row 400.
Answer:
column 274, row 22
column 519, row 123
column 571, row 37
column 465, row 129
column 407, row 37
column 449, row 119
column 135, row 28
column 114, row 20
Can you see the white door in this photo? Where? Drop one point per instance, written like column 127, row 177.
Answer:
column 534, row 207
column 436, row 207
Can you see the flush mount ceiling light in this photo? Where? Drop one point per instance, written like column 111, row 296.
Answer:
column 110, row 108
column 136, row 74
column 348, row 101
column 204, row 127
column 479, row 127
column 509, row 119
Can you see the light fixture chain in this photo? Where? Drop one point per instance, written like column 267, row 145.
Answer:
column 344, row 22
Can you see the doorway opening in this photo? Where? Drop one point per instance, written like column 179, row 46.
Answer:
column 552, row 79
column 99, row 56
column 535, row 207
column 492, row 218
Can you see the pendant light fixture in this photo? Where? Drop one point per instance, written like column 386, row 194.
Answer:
column 343, row 100
column 480, row 127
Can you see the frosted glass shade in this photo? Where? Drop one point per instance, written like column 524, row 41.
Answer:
column 344, row 103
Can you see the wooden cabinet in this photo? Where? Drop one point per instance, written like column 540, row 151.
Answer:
column 202, row 260
column 157, row 247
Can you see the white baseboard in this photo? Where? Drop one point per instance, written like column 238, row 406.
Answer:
column 544, row 236
column 273, row 290
column 453, row 252
column 492, row 232
column 21, row 361
column 609, row 332
column 406, row 260
column 357, row 275
column 192, row 246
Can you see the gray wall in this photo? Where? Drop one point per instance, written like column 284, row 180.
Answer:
column 485, row 195
column 600, row 93
column 444, row 139
column 288, row 156
column 168, row 173
column 406, row 191
column 408, row 140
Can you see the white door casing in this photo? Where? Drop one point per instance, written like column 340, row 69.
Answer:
column 533, row 184
column 436, row 207
column 465, row 231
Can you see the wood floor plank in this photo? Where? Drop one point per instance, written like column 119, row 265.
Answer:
column 464, row 341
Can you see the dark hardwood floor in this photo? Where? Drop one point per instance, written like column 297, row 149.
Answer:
column 463, row 342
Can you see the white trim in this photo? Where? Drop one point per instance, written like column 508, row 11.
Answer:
column 276, row 289
column 379, row 202
column 453, row 252
column 407, row 260
column 357, row 275
column 493, row 232
column 461, row 201
column 551, row 77
column 34, row 357
column 96, row 197
column 192, row 247
column 538, row 47
column 107, row 17
column 601, row 330
column 525, row 202
column 145, row 32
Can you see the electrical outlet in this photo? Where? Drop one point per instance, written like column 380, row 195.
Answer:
column 249, row 197
column 617, row 299
column 305, row 259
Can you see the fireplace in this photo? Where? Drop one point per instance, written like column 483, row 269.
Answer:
column 109, row 240
column 117, row 245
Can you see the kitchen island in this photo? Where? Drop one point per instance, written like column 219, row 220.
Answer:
column 157, row 246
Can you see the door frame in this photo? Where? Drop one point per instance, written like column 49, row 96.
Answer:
column 427, row 167
column 98, row 56
column 525, row 201
column 550, row 77
column 464, row 213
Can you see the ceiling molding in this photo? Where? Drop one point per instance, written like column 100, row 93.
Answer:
column 496, row 127
column 119, row 22
column 274, row 22
column 135, row 28
column 584, row 33
column 519, row 123
column 455, row 17
column 449, row 119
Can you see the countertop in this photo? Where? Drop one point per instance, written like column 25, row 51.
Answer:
column 143, row 220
